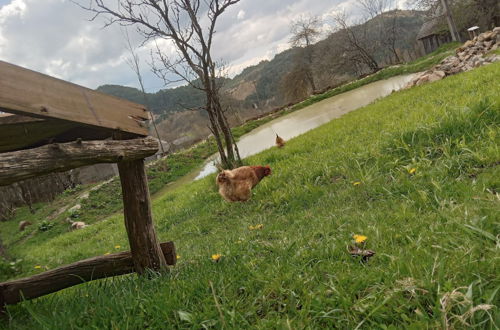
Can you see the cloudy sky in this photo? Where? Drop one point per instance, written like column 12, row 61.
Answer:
column 56, row 37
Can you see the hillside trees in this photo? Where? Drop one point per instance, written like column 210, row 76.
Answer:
column 189, row 26
column 297, row 83
column 356, row 44
column 374, row 40
column 305, row 31
column 465, row 13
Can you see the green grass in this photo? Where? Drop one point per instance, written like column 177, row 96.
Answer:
column 106, row 200
column 435, row 233
column 103, row 201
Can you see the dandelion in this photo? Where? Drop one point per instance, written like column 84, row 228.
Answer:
column 107, row 253
column 359, row 238
column 216, row 257
column 259, row 226
column 117, row 247
column 412, row 170
column 357, row 183
column 178, row 256
column 38, row 267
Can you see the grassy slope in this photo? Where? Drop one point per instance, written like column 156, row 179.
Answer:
column 435, row 232
column 107, row 200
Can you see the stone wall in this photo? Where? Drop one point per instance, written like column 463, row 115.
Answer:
column 472, row 54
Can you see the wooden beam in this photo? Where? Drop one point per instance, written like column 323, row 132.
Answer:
column 141, row 233
column 18, row 132
column 13, row 292
column 27, row 92
column 59, row 157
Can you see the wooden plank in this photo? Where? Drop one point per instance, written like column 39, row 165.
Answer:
column 13, row 292
column 59, row 157
column 18, row 132
column 27, row 92
column 141, row 233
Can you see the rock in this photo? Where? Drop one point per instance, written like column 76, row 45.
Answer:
column 75, row 208
column 23, row 225
column 495, row 58
column 497, row 29
column 495, row 47
column 440, row 74
column 488, row 35
column 78, row 225
column 477, row 61
column 488, row 44
column 436, row 76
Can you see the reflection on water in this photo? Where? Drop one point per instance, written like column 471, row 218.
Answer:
column 304, row 120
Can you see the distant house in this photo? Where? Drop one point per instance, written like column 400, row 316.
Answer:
column 432, row 34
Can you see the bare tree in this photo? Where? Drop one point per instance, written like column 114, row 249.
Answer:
column 133, row 63
column 357, row 46
column 294, row 85
column 305, row 31
column 384, row 14
column 188, row 25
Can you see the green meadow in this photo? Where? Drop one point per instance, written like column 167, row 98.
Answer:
column 416, row 172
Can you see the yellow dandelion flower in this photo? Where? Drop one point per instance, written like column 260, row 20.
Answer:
column 107, row 253
column 216, row 257
column 251, row 227
column 178, row 256
column 38, row 267
column 357, row 183
column 117, row 247
column 259, row 226
column 412, row 170
column 360, row 238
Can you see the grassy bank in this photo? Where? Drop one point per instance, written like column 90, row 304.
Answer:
column 417, row 173
column 106, row 200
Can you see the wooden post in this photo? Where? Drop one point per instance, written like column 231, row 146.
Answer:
column 146, row 252
column 15, row 291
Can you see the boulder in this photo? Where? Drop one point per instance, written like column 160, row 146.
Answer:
column 438, row 75
column 488, row 35
column 23, row 225
column 488, row 44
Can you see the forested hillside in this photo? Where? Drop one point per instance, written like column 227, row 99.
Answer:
column 263, row 85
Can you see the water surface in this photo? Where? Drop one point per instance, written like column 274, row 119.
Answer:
column 301, row 121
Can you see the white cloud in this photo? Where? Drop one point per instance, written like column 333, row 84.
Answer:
column 55, row 37
column 241, row 15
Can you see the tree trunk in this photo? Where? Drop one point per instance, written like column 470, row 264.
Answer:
column 214, row 128
column 2, row 250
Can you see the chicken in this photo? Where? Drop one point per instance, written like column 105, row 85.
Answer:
column 279, row 141
column 236, row 185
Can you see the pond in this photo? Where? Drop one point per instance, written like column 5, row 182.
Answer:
column 301, row 121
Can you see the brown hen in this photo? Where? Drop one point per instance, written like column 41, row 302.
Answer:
column 236, row 185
